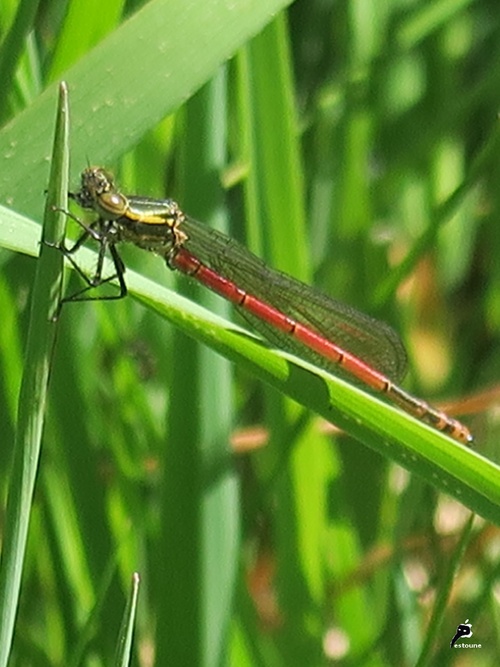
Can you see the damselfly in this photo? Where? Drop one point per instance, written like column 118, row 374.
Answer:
column 289, row 313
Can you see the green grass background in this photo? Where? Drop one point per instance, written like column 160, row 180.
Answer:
column 354, row 145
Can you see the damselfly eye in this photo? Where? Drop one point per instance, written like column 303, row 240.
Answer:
column 96, row 181
column 103, row 181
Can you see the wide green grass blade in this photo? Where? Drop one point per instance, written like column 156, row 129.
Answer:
column 453, row 468
column 114, row 100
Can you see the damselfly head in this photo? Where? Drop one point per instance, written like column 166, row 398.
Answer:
column 98, row 192
column 95, row 181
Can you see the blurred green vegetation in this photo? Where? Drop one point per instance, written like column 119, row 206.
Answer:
column 353, row 145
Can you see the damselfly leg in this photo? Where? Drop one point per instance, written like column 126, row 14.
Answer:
column 103, row 232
